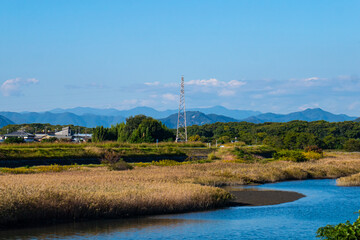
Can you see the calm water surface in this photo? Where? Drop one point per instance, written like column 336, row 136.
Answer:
column 325, row 203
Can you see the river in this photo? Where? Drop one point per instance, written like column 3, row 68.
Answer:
column 325, row 203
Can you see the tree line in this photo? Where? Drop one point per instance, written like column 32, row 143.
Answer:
column 290, row 135
column 137, row 129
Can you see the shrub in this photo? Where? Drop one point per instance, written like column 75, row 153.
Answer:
column 212, row 156
column 165, row 162
column 120, row 165
column 114, row 161
column 313, row 155
column 142, row 164
column 313, row 148
column 290, row 155
column 340, row 231
column 352, row 145
column 49, row 140
column 14, row 140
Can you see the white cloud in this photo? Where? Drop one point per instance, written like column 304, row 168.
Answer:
column 13, row 87
column 92, row 85
column 213, row 82
column 354, row 105
column 236, row 83
column 210, row 82
column 311, row 79
column 306, row 106
column 226, row 92
column 170, row 97
column 278, row 92
column 152, row 83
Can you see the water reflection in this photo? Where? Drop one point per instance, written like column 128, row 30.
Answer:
column 91, row 229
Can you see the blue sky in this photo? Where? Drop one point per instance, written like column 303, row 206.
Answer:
column 278, row 56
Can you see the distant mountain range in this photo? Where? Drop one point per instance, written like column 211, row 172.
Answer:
column 196, row 118
column 5, row 121
column 309, row 115
column 92, row 117
column 151, row 112
column 86, row 120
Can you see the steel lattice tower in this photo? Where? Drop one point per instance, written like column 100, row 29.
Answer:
column 181, row 133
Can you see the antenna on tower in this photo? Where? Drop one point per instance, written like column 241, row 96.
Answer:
column 181, row 132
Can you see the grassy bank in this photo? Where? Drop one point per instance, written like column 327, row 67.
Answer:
column 85, row 193
column 98, row 193
column 352, row 180
column 34, row 154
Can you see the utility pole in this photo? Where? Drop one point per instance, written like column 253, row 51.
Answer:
column 181, row 132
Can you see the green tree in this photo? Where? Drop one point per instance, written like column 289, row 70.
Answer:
column 341, row 231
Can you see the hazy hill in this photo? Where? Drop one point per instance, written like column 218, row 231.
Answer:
column 220, row 110
column 5, row 121
column 151, row 112
column 309, row 115
column 88, row 110
column 87, row 120
column 86, row 116
column 148, row 111
column 196, row 118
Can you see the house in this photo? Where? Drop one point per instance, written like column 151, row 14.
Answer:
column 66, row 131
column 28, row 137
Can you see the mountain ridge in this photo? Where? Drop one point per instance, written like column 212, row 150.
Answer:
column 310, row 114
column 151, row 112
column 89, row 119
column 196, row 118
column 4, row 121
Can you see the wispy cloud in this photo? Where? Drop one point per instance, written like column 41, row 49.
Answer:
column 226, row 92
column 213, row 82
column 152, row 83
column 311, row 105
column 14, row 87
column 170, row 97
column 92, row 85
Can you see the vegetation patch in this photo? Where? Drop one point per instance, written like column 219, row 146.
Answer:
column 163, row 187
column 38, row 169
column 290, row 155
column 345, row 230
column 352, row 180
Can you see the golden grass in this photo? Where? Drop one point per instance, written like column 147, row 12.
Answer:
column 99, row 193
column 352, row 180
column 40, row 169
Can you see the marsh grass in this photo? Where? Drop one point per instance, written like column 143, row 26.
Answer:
column 39, row 169
column 92, row 150
column 352, row 180
column 100, row 193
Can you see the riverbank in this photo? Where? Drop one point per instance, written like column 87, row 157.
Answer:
column 97, row 193
column 260, row 197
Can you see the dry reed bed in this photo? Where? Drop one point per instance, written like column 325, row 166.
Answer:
column 352, row 180
column 99, row 193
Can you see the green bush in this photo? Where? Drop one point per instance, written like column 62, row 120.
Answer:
column 212, row 156
column 114, row 162
column 166, row 162
column 313, row 148
column 352, row 145
column 340, row 231
column 120, row 165
column 14, row 140
column 290, row 155
column 49, row 140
